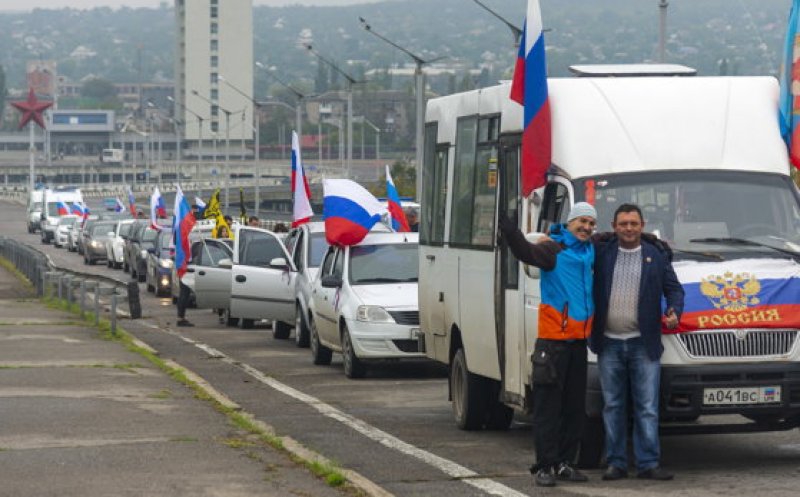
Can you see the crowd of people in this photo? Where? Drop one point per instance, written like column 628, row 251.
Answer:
column 602, row 291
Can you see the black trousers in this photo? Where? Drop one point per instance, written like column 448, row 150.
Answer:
column 184, row 298
column 559, row 400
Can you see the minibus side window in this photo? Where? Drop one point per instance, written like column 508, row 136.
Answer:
column 463, row 189
column 555, row 206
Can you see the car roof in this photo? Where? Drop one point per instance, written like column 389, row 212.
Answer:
column 376, row 238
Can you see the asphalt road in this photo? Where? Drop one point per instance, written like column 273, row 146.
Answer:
column 395, row 426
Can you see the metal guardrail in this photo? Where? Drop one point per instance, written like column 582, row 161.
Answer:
column 51, row 280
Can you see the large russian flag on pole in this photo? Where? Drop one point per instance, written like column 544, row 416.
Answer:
column 529, row 88
column 63, row 210
column 743, row 293
column 77, row 209
column 131, row 201
column 349, row 211
column 184, row 222
column 789, row 116
column 158, row 210
column 398, row 217
column 301, row 192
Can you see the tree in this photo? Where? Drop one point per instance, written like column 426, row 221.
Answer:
column 99, row 89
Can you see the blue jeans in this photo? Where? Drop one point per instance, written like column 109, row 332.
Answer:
column 624, row 366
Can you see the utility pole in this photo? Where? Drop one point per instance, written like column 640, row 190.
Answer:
column 662, row 31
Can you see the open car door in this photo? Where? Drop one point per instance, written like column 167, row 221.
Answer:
column 212, row 283
column 262, row 277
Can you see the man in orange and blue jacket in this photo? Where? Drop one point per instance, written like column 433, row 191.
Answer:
column 566, row 258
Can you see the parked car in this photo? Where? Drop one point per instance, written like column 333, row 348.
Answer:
column 307, row 246
column 206, row 252
column 158, row 275
column 364, row 302
column 94, row 241
column 115, row 248
column 140, row 240
column 65, row 225
column 261, row 282
column 206, row 255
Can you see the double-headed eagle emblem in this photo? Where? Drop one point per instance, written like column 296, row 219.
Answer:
column 731, row 292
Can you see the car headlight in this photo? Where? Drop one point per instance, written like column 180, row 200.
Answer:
column 95, row 244
column 144, row 254
column 165, row 263
column 373, row 313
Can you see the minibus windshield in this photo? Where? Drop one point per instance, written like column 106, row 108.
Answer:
column 711, row 212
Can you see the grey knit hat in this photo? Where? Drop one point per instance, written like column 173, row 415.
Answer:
column 582, row 209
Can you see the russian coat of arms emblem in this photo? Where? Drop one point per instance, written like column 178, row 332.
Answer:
column 731, row 292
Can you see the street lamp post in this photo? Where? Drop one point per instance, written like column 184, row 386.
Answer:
column 227, row 113
column 363, row 120
column 515, row 30
column 298, row 95
column 257, row 154
column 662, row 31
column 419, row 79
column 350, row 82
column 199, row 133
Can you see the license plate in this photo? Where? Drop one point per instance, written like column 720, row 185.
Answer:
column 742, row 395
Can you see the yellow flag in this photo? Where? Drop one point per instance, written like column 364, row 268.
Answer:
column 213, row 212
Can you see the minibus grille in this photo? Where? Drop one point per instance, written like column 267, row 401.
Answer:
column 738, row 343
column 405, row 317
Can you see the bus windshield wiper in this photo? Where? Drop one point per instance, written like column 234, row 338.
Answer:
column 742, row 241
column 709, row 255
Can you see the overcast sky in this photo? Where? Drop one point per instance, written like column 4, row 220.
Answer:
column 88, row 4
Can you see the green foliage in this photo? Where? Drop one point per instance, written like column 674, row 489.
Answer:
column 404, row 177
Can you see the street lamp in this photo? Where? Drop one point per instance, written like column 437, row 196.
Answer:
column 515, row 30
column 350, row 82
column 227, row 142
column 662, row 31
column 363, row 120
column 419, row 78
column 199, row 132
column 257, row 155
column 298, row 95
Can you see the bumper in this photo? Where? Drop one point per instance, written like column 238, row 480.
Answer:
column 164, row 281
column 62, row 239
column 48, row 234
column 95, row 252
column 681, row 392
column 384, row 340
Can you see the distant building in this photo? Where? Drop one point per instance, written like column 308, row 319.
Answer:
column 214, row 41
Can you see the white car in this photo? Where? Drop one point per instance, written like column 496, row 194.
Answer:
column 63, row 228
column 364, row 302
column 307, row 245
column 260, row 283
column 115, row 248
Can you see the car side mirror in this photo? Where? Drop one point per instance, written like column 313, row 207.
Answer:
column 331, row 281
column 225, row 263
column 279, row 263
column 533, row 271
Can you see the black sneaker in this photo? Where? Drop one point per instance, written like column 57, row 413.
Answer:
column 545, row 477
column 614, row 473
column 565, row 472
column 656, row 473
column 185, row 323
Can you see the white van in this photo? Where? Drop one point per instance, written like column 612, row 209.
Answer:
column 704, row 159
column 34, row 212
column 50, row 214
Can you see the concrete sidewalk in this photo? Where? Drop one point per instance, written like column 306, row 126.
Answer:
column 83, row 416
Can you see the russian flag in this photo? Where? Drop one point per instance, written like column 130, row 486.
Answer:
column 529, row 88
column 63, row 210
column 349, row 211
column 743, row 293
column 789, row 114
column 301, row 192
column 201, row 206
column 184, row 222
column 77, row 209
column 157, row 208
column 398, row 217
column 120, row 206
column 131, row 201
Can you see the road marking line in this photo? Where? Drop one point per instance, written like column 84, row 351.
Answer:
column 446, row 466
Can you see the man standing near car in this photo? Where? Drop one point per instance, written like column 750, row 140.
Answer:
column 631, row 276
column 565, row 322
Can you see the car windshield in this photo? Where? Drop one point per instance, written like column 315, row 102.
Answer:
column 317, row 249
column 101, row 229
column 395, row 263
column 721, row 215
column 52, row 209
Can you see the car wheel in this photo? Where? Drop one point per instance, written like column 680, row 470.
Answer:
column 281, row 330
column 353, row 366
column 228, row 319
column 469, row 394
column 320, row 354
column 246, row 324
column 125, row 267
column 109, row 263
column 150, row 288
column 300, row 328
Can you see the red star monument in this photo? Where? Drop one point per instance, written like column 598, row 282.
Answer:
column 31, row 109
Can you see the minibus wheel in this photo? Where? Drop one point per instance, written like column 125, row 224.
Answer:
column 469, row 394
